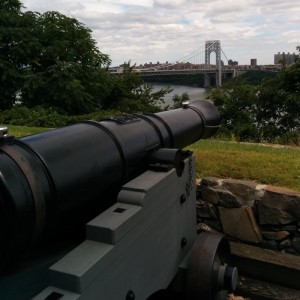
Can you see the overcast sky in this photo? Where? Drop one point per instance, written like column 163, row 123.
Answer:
column 166, row 30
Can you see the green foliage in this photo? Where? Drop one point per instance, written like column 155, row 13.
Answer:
column 51, row 60
column 236, row 102
column 279, row 104
column 290, row 138
column 67, row 70
column 11, row 32
column 268, row 112
column 35, row 117
column 179, row 99
column 130, row 94
column 257, row 76
column 48, row 117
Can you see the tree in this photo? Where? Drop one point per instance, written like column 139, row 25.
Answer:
column 51, row 60
column 265, row 112
column 236, row 101
column 130, row 94
column 11, row 61
column 66, row 70
column 179, row 99
column 279, row 103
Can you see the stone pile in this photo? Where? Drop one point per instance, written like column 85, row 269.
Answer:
column 262, row 215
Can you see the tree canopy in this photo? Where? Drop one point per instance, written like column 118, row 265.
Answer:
column 10, row 58
column 130, row 94
column 266, row 112
column 49, row 59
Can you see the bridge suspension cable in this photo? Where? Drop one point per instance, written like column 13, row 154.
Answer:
column 198, row 61
column 196, row 58
column 224, row 54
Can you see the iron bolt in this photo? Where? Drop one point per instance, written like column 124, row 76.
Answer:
column 182, row 198
column 130, row 295
column 183, row 242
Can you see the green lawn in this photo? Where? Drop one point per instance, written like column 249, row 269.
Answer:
column 266, row 164
column 19, row 131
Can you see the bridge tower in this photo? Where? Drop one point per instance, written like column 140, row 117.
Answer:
column 213, row 46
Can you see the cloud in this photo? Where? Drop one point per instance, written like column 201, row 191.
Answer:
column 161, row 30
column 168, row 4
column 57, row 5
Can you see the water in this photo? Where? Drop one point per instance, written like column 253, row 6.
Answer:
column 195, row 93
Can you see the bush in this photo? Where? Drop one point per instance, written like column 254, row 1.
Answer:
column 224, row 134
column 35, row 117
column 47, row 117
column 290, row 138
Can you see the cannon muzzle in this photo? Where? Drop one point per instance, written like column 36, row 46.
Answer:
column 46, row 178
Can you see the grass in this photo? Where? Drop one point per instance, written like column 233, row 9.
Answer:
column 19, row 131
column 266, row 164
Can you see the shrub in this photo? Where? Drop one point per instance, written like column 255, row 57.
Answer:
column 290, row 138
column 35, row 117
column 47, row 117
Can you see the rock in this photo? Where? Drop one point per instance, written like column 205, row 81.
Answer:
column 228, row 199
column 213, row 212
column 279, row 206
column 208, row 194
column 204, row 227
column 215, row 224
column 296, row 244
column 290, row 250
column 267, row 227
column 284, row 244
column 247, row 212
column 240, row 223
column 202, row 210
column 272, row 245
column 290, row 228
column 234, row 297
column 206, row 210
column 232, row 193
column 197, row 182
column 211, row 181
column 244, row 191
column 275, row 235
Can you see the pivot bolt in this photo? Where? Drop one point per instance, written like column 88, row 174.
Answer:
column 182, row 198
column 130, row 295
column 183, row 242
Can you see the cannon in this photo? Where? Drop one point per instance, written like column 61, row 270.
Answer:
column 123, row 189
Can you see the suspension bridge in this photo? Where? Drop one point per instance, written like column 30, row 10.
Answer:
column 197, row 62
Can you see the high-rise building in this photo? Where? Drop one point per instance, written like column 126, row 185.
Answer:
column 285, row 58
column 253, row 62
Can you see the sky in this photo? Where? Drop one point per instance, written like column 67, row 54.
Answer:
column 144, row 31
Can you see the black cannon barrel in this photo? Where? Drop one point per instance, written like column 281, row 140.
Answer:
column 47, row 175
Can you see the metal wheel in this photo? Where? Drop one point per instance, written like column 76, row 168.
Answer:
column 208, row 277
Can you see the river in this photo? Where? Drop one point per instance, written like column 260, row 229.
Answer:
column 195, row 93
